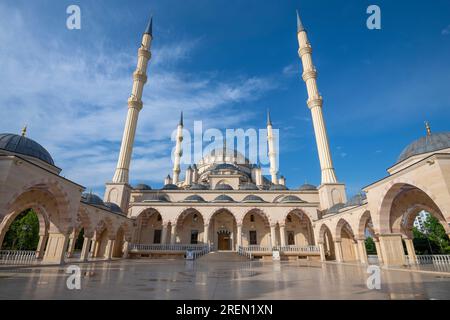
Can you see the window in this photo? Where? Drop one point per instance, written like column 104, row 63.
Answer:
column 252, row 218
column 253, row 238
column 291, row 238
column 194, row 236
column 157, row 236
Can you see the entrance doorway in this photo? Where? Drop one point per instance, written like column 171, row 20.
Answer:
column 224, row 240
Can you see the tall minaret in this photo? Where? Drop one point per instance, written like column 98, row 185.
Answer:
column 134, row 106
column 315, row 104
column 272, row 153
column 178, row 152
column 331, row 192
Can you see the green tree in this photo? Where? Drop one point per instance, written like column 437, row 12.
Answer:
column 370, row 246
column 433, row 239
column 23, row 233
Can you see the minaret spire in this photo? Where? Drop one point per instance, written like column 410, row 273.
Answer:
column 134, row 107
column 315, row 105
column 427, row 127
column 149, row 29
column 178, row 152
column 271, row 149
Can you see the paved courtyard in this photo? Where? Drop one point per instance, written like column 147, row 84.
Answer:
column 180, row 279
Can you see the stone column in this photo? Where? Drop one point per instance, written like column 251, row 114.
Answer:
column 164, row 234
column 283, row 235
column 273, row 236
column 378, row 248
column 56, row 248
column 126, row 253
column 362, row 251
column 392, row 249
column 40, row 251
column 72, row 242
column 85, row 250
column 338, row 251
column 94, row 247
column 239, row 235
column 173, row 234
column 322, row 252
column 109, row 249
column 356, row 250
column 411, row 252
column 206, row 234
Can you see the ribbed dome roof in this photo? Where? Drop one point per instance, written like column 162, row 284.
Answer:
column 223, row 198
column 197, row 186
column 252, row 198
column 356, row 200
column 113, row 207
column 336, row 208
column 248, row 186
column 194, row 198
column 223, row 186
column 307, row 187
column 278, row 187
column 170, row 186
column 429, row 143
column 26, row 146
column 91, row 198
column 142, row 186
column 291, row 199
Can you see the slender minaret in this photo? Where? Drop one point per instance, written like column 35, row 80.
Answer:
column 178, row 152
column 272, row 153
column 134, row 106
column 315, row 105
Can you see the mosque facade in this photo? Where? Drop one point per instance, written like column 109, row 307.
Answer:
column 224, row 202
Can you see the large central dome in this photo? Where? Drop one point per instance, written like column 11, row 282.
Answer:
column 23, row 145
column 429, row 143
column 221, row 155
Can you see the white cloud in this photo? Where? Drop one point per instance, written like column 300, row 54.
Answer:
column 291, row 69
column 446, row 30
column 75, row 100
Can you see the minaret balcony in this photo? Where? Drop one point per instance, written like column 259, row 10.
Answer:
column 140, row 76
column 304, row 50
column 142, row 52
column 308, row 74
column 315, row 102
column 133, row 102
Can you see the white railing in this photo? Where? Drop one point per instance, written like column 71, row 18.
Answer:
column 164, row 247
column 430, row 259
column 257, row 248
column 298, row 249
column 242, row 251
column 17, row 257
column 197, row 253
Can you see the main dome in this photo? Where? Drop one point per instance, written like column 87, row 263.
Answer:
column 429, row 143
column 23, row 145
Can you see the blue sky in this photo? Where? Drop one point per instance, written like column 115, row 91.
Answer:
column 225, row 63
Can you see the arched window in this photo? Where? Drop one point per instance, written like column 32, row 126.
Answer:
column 252, row 218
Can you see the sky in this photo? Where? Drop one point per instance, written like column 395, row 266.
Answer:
column 224, row 62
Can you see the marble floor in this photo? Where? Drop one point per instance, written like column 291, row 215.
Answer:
column 180, row 279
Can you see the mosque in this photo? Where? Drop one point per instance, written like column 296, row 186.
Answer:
column 224, row 203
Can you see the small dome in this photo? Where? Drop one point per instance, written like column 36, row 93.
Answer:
column 336, row 208
column 223, row 186
column 194, row 198
column 198, row 186
column 113, row 207
column 248, row 186
column 307, row 187
column 252, row 198
column 170, row 186
column 23, row 145
column 356, row 200
column 223, row 198
column 278, row 187
column 91, row 198
column 291, row 199
column 156, row 197
column 429, row 143
column 142, row 187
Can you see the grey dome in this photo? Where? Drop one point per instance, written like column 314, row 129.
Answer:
column 336, row 208
column 170, row 186
column 194, row 198
column 307, row 187
column 291, row 199
column 429, row 143
column 252, row 198
column 248, row 186
column 91, row 198
column 225, row 166
column 113, row 207
column 23, row 145
column 156, row 197
column 278, row 187
column 197, row 186
column 223, row 186
column 223, row 198
column 356, row 200
column 142, row 186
